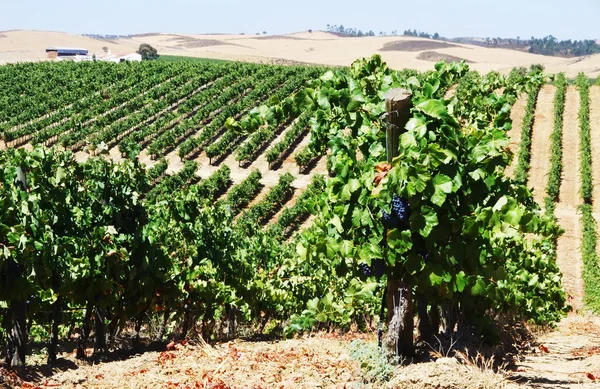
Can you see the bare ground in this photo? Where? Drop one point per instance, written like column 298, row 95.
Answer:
column 514, row 135
column 567, row 357
column 568, row 247
column 540, row 143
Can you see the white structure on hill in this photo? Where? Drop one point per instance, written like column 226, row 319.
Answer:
column 107, row 56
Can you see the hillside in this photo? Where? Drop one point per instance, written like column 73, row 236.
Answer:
column 304, row 47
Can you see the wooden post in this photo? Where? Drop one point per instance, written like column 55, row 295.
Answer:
column 400, row 311
column 397, row 105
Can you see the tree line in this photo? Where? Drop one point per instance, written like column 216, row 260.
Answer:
column 548, row 45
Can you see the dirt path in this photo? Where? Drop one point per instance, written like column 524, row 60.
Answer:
column 516, row 114
column 566, row 358
column 568, row 248
column 595, row 135
column 540, row 143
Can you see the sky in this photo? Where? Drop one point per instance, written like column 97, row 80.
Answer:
column 574, row 19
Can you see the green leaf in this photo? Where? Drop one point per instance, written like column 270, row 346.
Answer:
column 60, row 174
column 443, row 186
column 479, row 289
column 426, row 220
column 434, row 108
column 337, row 223
column 461, row 281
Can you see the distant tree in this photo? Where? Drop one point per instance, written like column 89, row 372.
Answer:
column 436, row 36
column 537, row 68
column 147, row 52
column 310, row 31
column 264, row 33
column 105, row 48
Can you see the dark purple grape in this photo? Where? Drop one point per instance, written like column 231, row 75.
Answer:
column 400, row 208
column 378, row 266
column 365, row 269
column 389, row 220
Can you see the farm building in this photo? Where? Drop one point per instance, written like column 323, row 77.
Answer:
column 54, row 52
column 133, row 57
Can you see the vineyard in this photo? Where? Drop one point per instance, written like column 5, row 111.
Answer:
column 174, row 199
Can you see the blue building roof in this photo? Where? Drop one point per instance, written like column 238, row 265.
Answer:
column 68, row 50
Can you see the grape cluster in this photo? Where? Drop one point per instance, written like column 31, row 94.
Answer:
column 401, row 208
column 400, row 213
column 377, row 268
column 365, row 269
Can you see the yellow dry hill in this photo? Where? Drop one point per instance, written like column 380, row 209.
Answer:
column 317, row 47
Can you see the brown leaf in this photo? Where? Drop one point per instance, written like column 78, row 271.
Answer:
column 383, row 167
column 590, row 376
column 379, row 177
column 170, row 346
column 544, row 349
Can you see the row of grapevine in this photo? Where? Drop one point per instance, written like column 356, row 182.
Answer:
column 166, row 130
column 240, row 195
column 305, row 157
column 104, row 111
column 554, row 177
column 277, row 196
column 292, row 217
column 213, row 107
column 84, row 238
column 87, row 105
column 278, row 151
column 230, row 139
column 195, row 145
column 168, row 102
column 30, row 91
column 524, row 155
column 585, row 139
column 170, row 184
column 589, row 243
column 74, row 139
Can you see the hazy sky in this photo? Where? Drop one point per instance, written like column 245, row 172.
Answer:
column 576, row 19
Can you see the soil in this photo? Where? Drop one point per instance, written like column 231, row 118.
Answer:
column 567, row 357
column 514, row 135
column 543, row 126
column 434, row 56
